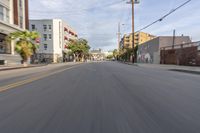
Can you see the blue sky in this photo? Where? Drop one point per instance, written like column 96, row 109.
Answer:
column 97, row 20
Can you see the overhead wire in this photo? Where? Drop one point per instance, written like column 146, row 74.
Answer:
column 163, row 17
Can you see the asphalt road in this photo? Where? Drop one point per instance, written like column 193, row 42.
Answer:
column 104, row 97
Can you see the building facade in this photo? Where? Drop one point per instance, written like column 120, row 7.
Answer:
column 97, row 55
column 187, row 54
column 149, row 52
column 139, row 38
column 13, row 17
column 55, row 34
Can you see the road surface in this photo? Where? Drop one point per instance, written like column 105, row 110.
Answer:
column 105, row 97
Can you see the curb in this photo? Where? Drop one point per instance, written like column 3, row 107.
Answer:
column 185, row 71
column 169, row 69
column 15, row 68
column 128, row 63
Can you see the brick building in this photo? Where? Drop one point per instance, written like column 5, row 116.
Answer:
column 181, row 54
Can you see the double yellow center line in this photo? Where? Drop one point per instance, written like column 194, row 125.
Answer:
column 23, row 82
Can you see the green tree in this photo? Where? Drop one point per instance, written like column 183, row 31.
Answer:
column 25, row 44
column 109, row 57
column 115, row 53
column 80, row 49
column 125, row 54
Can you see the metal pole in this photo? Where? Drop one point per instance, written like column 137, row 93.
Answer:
column 174, row 37
column 133, row 35
column 119, row 36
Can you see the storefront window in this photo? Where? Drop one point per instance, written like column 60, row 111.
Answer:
column 5, row 48
column 2, row 46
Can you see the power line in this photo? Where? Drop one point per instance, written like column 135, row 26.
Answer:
column 163, row 17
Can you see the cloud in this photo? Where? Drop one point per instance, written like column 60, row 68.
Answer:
column 97, row 20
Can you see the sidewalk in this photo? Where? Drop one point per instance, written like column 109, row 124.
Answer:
column 187, row 69
column 13, row 67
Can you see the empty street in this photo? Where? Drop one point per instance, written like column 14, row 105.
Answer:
column 103, row 97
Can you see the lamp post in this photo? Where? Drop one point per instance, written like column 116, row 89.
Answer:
column 119, row 34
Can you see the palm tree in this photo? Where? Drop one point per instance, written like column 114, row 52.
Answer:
column 25, row 44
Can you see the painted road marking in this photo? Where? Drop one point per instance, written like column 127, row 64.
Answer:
column 23, row 82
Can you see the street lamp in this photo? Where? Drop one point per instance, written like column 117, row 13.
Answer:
column 119, row 34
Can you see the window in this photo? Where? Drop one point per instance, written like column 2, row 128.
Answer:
column 4, row 14
column 1, row 49
column 45, row 37
column 45, row 27
column 21, row 22
column 50, row 37
column 33, row 27
column 1, row 12
column 2, row 46
column 20, row 3
column 45, row 46
column 50, row 27
column 7, row 15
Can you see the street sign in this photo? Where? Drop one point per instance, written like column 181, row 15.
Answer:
column 137, row 1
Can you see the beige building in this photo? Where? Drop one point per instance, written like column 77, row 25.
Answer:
column 13, row 17
column 97, row 55
column 140, row 38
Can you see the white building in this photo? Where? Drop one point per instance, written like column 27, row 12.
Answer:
column 97, row 55
column 13, row 17
column 55, row 34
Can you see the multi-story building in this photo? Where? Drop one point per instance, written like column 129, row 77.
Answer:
column 139, row 38
column 55, row 34
column 13, row 17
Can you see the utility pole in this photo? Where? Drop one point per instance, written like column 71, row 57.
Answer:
column 133, row 30
column 133, row 2
column 174, row 37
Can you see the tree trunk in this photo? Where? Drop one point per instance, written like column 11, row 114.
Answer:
column 83, row 58
column 25, row 62
column 74, row 57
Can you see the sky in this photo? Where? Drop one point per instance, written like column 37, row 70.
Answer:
column 97, row 20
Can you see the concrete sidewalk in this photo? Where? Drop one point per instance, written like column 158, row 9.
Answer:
column 187, row 69
column 13, row 67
